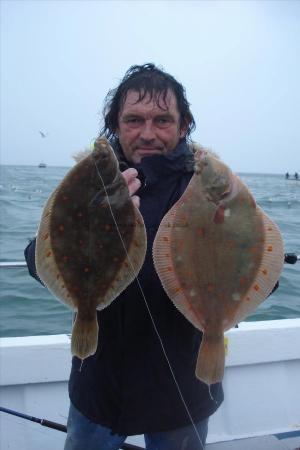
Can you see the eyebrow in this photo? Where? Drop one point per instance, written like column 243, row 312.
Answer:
column 165, row 115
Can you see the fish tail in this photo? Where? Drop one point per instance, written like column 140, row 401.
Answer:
column 211, row 359
column 84, row 335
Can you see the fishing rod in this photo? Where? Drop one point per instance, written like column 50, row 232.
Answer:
column 55, row 425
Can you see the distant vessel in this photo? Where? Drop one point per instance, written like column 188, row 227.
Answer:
column 292, row 177
column 42, row 165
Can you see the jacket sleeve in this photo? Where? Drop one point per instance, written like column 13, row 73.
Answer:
column 29, row 254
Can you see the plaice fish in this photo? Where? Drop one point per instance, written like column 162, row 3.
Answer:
column 218, row 256
column 91, row 241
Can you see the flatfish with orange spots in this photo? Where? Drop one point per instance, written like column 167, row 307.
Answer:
column 91, row 241
column 218, row 256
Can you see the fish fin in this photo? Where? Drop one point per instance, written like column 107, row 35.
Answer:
column 46, row 266
column 81, row 154
column 135, row 256
column 211, row 359
column 269, row 270
column 84, row 336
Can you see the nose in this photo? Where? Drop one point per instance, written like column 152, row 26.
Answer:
column 147, row 131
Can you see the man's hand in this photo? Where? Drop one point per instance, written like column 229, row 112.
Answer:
column 133, row 183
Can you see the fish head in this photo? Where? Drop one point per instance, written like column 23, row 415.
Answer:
column 105, row 160
column 216, row 177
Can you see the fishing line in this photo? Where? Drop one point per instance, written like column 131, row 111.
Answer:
column 149, row 311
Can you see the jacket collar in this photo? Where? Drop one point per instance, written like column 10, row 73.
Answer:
column 153, row 168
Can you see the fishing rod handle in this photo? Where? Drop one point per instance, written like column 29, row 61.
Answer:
column 53, row 425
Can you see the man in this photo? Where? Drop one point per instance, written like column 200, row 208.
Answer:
column 142, row 378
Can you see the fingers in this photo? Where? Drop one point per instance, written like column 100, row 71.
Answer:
column 133, row 183
column 136, row 200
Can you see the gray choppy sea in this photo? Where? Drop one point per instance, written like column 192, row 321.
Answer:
column 26, row 308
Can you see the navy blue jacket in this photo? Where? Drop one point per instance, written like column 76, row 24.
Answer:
column 128, row 384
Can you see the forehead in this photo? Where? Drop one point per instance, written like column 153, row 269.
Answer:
column 156, row 104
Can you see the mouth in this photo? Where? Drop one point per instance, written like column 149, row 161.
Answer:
column 147, row 151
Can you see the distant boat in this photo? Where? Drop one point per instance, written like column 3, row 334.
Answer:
column 42, row 165
column 292, row 177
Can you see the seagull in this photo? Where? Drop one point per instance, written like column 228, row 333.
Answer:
column 43, row 135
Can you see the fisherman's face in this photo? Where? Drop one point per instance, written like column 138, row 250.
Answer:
column 147, row 128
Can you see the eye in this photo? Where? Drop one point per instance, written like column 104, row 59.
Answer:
column 163, row 122
column 133, row 120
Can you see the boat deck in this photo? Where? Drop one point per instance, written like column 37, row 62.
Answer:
column 283, row 441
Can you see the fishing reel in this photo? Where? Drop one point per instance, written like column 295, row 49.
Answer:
column 291, row 258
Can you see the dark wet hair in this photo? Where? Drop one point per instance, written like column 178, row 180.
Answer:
column 146, row 80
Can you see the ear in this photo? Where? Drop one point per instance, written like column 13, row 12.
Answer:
column 183, row 128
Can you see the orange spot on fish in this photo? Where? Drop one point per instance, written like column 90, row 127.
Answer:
column 219, row 215
column 210, row 287
column 46, row 236
column 180, row 243
column 200, row 232
column 165, row 238
column 126, row 264
column 243, row 280
column 248, row 299
column 48, row 254
column 136, row 243
column 270, row 248
column 231, row 244
column 253, row 250
column 170, row 269
column 178, row 289
column 265, row 272
column 256, row 287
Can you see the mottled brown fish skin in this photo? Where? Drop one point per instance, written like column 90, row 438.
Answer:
column 211, row 254
column 94, row 240
column 85, row 241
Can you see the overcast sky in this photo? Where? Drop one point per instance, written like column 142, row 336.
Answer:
column 238, row 60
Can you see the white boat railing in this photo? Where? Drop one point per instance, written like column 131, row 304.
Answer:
column 12, row 264
column 289, row 258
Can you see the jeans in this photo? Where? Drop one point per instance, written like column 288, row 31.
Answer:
column 86, row 435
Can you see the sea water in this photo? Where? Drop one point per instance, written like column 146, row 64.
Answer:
column 27, row 308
